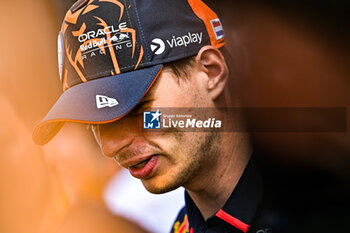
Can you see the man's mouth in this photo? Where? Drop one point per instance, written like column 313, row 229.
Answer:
column 141, row 164
column 144, row 169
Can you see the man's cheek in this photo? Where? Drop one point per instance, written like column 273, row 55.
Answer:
column 164, row 140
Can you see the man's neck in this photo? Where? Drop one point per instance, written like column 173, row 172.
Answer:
column 214, row 185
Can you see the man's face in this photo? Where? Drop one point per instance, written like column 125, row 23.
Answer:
column 162, row 160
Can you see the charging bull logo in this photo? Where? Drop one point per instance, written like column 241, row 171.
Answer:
column 181, row 227
column 95, row 42
column 119, row 37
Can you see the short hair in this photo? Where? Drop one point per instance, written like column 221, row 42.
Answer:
column 181, row 68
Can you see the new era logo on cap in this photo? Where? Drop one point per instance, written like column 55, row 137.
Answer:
column 105, row 101
column 218, row 29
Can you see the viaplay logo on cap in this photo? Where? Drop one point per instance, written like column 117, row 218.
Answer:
column 157, row 46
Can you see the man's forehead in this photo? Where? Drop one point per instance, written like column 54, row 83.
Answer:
column 165, row 74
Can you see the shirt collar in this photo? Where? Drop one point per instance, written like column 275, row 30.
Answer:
column 241, row 206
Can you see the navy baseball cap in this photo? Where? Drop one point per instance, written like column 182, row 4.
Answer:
column 110, row 52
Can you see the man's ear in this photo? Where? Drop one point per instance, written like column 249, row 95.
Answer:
column 214, row 65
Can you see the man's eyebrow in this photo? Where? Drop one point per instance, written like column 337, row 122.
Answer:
column 149, row 94
column 143, row 101
column 142, row 104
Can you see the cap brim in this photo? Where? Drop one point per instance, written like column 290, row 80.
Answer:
column 78, row 103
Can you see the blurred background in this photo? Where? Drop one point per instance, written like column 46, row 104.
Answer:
column 295, row 54
column 284, row 54
column 67, row 185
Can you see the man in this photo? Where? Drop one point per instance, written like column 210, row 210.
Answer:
column 118, row 59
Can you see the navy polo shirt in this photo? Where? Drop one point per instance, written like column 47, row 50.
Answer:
column 239, row 214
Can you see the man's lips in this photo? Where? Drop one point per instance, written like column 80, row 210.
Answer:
column 142, row 167
column 135, row 161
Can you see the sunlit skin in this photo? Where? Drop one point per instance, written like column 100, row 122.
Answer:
column 202, row 162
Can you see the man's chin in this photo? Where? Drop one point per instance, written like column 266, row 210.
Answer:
column 154, row 188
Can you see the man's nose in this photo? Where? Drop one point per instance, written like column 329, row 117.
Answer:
column 115, row 137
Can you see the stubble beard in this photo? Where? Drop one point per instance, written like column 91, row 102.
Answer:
column 206, row 154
